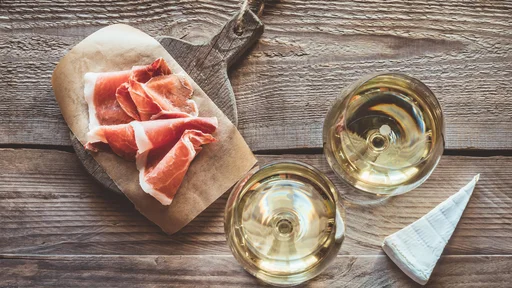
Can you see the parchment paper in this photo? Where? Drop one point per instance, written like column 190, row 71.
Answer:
column 216, row 168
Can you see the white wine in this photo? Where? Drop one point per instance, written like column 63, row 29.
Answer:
column 385, row 135
column 284, row 224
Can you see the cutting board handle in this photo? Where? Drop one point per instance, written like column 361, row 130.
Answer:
column 208, row 63
column 229, row 44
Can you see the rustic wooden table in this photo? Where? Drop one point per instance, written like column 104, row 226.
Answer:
column 59, row 228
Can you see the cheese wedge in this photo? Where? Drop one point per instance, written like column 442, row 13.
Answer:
column 417, row 247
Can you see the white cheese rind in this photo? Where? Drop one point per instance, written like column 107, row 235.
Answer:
column 417, row 247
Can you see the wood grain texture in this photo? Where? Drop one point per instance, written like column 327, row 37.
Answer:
column 224, row 271
column 48, row 205
column 92, row 167
column 309, row 51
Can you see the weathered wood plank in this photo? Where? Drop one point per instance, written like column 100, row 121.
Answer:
column 309, row 51
column 48, row 205
column 224, row 271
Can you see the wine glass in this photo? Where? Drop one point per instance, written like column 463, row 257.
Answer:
column 284, row 223
column 384, row 134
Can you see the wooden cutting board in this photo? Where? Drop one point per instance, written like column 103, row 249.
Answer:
column 208, row 65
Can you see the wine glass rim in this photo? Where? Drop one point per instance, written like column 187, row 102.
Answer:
column 315, row 170
column 424, row 91
column 231, row 218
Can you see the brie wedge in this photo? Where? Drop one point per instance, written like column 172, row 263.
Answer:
column 417, row 247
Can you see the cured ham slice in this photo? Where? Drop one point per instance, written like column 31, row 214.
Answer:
column 163, row 149
column 120, row 138
column 146, row 105
column 162, row 176
column 158, row 133
column 143, row 74
column 133, row 98
column 172, row 94
column 123, row 96
column 138, row 137
column 125, row 100
column 166, row 96
column 100, row 94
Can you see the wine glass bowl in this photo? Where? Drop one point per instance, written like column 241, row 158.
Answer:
column 284, row 223
column 384, row 134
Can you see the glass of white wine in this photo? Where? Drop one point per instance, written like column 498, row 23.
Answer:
column 284, row 222
column 384, row 134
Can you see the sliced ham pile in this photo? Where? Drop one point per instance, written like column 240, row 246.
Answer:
column 146, row 114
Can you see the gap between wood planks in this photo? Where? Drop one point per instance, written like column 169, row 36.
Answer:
column 64, row 256
column 297, row 151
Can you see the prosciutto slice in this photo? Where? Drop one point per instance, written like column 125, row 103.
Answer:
column 132, row 96
column 100, row 95
column 144, row 104
column 120, row 138
column 126, row 140
column 158, row 133
column 126, row 102
column 172, row 95
column 166, row 96
column 142, row 93
column 161, row 174
column 143, row 74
